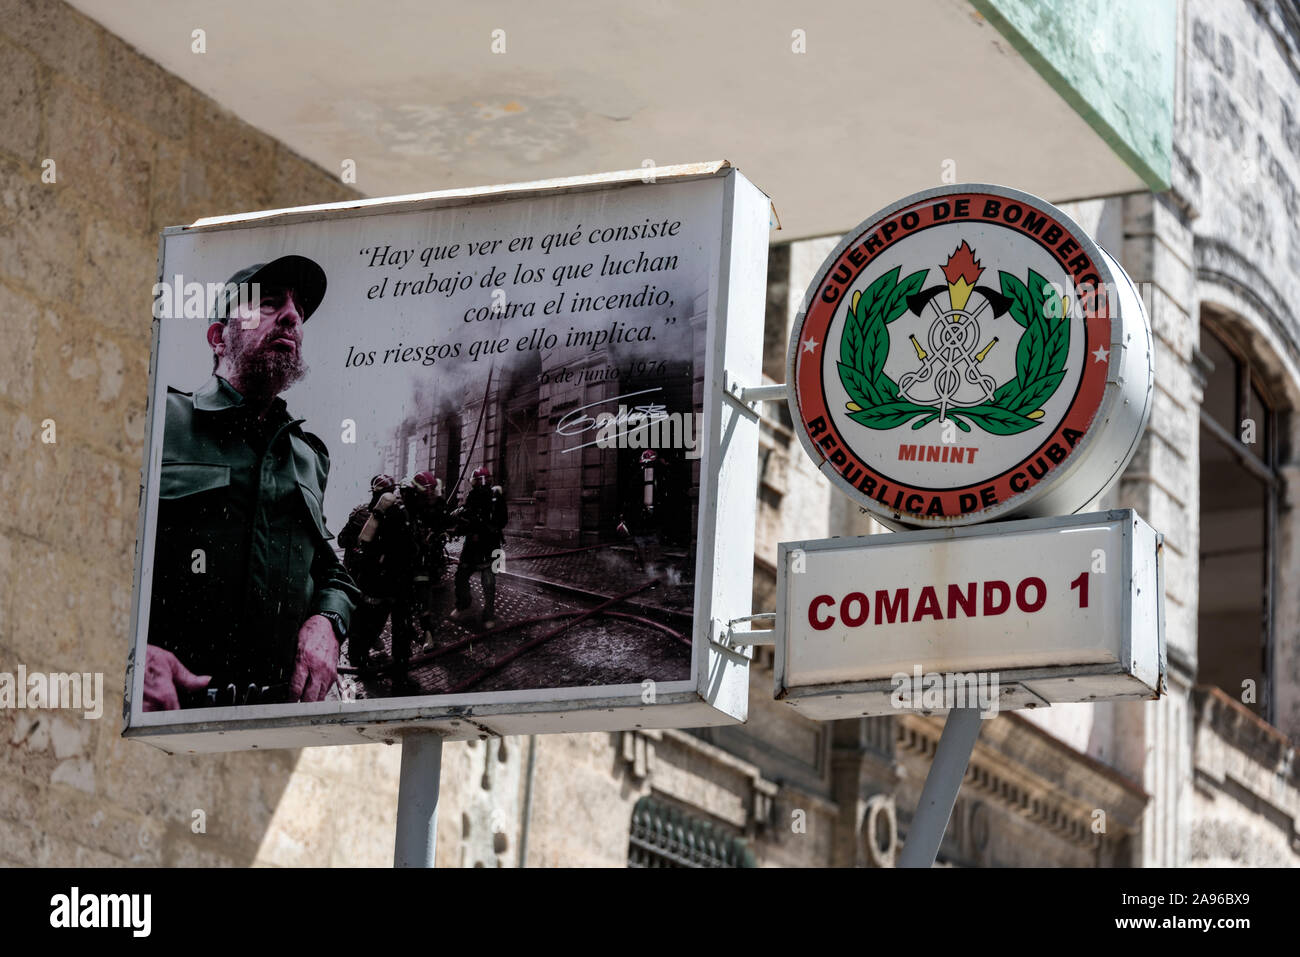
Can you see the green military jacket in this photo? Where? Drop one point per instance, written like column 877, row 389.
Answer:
column 242, row 555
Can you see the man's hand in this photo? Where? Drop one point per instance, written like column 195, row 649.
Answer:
column 317, row 666
column 164, row 677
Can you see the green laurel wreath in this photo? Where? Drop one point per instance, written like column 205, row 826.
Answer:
column 1017, row 403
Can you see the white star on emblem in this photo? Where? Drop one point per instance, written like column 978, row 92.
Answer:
column 809, row 344
column 1100, row 355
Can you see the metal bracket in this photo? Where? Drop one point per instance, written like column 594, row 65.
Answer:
column 746, row 398
column 764, row 393
column 725, row 634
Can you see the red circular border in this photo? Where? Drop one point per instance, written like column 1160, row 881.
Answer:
column 882, row 235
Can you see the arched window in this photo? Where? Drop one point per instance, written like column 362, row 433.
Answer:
column 1238, row 518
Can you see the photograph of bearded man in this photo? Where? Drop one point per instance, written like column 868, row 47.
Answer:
column 250, row 603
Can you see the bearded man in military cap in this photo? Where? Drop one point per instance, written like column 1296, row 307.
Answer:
column 249, row 602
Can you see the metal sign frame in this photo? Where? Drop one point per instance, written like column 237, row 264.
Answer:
column 717, row 691
column 1143, row 649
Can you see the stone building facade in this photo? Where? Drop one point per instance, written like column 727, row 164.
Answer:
column 133, row 150
column 1206, row 776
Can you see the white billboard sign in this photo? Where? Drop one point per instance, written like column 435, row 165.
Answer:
column 1018, row 614
column 457, row 461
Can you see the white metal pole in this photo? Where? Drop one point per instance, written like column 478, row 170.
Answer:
column 941, row 786
column 417, row 800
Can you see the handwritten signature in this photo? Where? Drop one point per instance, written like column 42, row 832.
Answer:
column 576, row 421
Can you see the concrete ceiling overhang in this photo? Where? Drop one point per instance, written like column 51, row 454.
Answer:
column 889, row 97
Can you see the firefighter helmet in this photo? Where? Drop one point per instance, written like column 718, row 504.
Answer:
column 483, row 473
column 649, row 457
column 382, row 483
column 425, row 482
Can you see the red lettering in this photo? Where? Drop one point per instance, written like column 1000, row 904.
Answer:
column 927, row 605
column 1038, row 585
column 898, row 608
column 850, row 619
column 966, row 601
column 821, row 601
column 992, row 607
column 1081, row 583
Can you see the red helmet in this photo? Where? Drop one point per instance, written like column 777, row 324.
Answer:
column 382, row 483
column 649, row 457
column 483, row 473
column 424, row 481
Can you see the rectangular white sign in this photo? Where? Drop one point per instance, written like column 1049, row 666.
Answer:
column 456, row 460
column 1060, row 609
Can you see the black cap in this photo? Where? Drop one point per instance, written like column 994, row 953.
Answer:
column 298, row 273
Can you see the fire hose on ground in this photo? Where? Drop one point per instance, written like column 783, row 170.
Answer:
column 522, row 623
column 530, row 645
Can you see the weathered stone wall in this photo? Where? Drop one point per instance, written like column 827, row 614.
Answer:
column 1239, row 130
column 1227, row 237
column 134, row 150
column 1239, row 127
column 1246, row 800
column 1238, row 184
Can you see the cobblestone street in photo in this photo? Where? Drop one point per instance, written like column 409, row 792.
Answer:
column 646, row 635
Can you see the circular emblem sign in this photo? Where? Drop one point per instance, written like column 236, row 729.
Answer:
column 970, row 353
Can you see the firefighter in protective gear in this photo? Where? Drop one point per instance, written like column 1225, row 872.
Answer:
column 482, row 520
column 381, row 554
column 643, row 512
column 427, row 509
